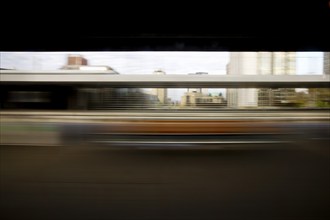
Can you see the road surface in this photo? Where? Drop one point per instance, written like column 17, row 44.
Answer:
column 287, row 181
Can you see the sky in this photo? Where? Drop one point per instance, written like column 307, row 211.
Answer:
column 124, row 62
column 213, row 63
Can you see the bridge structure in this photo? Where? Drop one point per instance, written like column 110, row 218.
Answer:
column 66, row 91
column 108, row 78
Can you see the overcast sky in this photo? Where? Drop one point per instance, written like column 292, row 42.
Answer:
column 147, row 62
column 125, row 62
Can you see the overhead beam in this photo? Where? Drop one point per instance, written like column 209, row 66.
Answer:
column 107, row 78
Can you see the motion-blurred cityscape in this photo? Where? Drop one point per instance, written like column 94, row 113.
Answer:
column 86, row 141
column 240, row 63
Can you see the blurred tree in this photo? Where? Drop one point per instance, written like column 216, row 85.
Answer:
column 320, row 97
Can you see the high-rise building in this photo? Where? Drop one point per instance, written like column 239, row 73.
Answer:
column 260, row 63
column 242, row 63
column 326, row 63
column 161, row 93
column 276, row 63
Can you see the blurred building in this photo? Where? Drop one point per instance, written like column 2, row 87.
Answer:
column 199, row 97
column 242, row 63
column 326, row 63
column 192, row 99
column 102, row 98
column 261, row 63
column 78, row 62
column 74, row 62
column 276, row 63
column 277, row 97
column 198, row 90
column 161, row 93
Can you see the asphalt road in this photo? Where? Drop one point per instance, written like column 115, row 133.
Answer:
column 96, row 182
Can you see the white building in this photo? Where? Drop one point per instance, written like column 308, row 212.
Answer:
column 161, row 93
column 326, row 63
column 257, row 63
column 242, row 63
